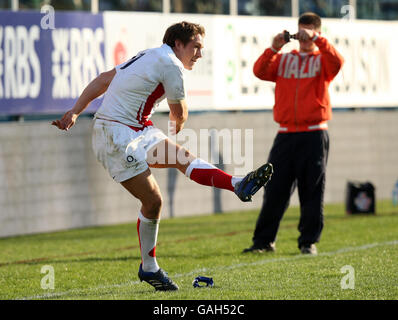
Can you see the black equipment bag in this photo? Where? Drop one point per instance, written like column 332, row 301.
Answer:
column 360, row 198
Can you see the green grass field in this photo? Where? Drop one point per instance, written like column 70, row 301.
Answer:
column 102, row 262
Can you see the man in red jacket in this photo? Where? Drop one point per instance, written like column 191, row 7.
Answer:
column 300, row 150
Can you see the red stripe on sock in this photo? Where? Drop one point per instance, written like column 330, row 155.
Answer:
column 152, row 253
column 212, row 177
column 139, row 238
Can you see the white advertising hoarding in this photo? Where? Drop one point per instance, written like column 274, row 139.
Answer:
column 367, row 78
column 224, row 80
column 129, row 33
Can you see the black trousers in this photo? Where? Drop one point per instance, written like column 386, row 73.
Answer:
column 299, row 159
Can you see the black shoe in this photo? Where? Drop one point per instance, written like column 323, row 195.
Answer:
column 269, row 247
column 159, row 280
column 253, row 181
column 309, row 249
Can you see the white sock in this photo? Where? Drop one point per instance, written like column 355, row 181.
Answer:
column 147, row 234
column 198, row 164
column 235, row 180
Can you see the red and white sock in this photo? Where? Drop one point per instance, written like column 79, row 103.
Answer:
column 147, row 235
column 206, row 174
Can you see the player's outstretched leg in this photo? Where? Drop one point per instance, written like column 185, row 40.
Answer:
column 207, row 174
column 253, row 181
column 204, row 173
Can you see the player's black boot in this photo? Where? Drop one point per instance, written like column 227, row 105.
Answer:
column 253, row 182
column 159, row 280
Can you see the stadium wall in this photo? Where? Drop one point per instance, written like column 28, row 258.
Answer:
column 50, row 180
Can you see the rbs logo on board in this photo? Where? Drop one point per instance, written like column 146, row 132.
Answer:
column 19, row 64
column 76, row 58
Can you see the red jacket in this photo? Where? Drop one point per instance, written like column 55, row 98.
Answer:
column 302, row 100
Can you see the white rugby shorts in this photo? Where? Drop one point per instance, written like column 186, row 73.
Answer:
column 121, row 150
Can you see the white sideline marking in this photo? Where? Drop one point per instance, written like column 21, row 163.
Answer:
column 230, row 267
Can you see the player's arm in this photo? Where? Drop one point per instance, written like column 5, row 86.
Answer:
column 178, row 114
column 173, row 83
column 93, row 90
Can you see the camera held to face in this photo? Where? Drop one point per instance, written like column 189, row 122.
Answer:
column 287, row 36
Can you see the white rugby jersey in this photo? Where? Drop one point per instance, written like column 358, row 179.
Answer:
column 140, row 84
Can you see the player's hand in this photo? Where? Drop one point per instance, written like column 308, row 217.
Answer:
column 172, row 128
column 179, row 127
column 175, row 127
column 67, row 121
column 279, row 41
column 305, row 34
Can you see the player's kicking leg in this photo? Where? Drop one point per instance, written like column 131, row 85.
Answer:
column 145, row 188
column 205, row 173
